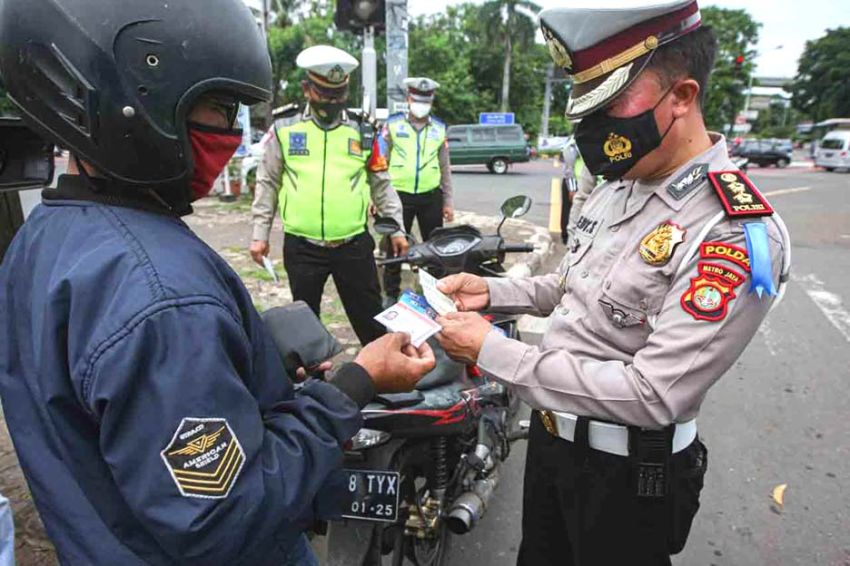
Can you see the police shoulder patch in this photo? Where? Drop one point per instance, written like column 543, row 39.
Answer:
column 204, row 458
column 740, row 198
column 286, row 111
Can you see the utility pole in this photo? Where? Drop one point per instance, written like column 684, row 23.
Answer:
column 547, row 101
column 397, row 44
column 265, row 22
column 370, row 71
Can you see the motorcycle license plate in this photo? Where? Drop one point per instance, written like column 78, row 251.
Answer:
column 375, row 495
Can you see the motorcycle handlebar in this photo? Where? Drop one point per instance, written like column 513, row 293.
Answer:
column 519, row 248
column 392, row 260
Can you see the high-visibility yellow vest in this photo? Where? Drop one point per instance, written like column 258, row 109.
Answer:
column 415, row 155
column 324, row 193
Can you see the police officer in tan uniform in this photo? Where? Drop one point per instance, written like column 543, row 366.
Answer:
column 676, row 261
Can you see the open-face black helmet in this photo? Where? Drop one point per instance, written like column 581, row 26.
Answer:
column 113, row 80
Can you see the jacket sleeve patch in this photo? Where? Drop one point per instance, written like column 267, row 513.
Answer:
column 711, row 291
column 739, row 196
column 729, row 252
column 204, row 458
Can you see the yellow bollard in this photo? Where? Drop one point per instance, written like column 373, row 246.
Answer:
column 555, row 208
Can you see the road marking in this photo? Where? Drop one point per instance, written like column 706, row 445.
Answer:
column 555, row 207
column 768, row 336
column 787, row 191
column 829, row 304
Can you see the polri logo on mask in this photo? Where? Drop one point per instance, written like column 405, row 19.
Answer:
column 617, row 147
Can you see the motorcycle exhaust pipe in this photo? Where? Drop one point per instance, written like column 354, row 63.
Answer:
column 468, row 509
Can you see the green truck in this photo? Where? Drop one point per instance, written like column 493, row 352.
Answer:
column 494, row 146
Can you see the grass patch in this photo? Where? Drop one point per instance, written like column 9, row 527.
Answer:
column 242, row 204
column 258, row 274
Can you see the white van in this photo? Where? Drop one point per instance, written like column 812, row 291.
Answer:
column 834, row 150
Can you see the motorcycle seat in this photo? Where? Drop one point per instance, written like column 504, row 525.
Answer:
column 445, row 372
column 400, row 400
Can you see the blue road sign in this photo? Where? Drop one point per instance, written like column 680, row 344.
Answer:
column 496, row 118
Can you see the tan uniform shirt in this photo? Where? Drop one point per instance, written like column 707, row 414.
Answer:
column 264, row 208
column 622, row 345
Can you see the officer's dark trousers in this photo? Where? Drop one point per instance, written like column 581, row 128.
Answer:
column 580, row 506
column 427, row 209
column 352, row 266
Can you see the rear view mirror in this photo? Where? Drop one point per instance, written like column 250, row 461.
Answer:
column 386, row 226
column 26, row 160
column 516, row 206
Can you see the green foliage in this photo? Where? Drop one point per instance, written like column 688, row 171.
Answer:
column 822, row 86
column 457, row 49
column 287, row 39
column 736, row 33
column 6, row 106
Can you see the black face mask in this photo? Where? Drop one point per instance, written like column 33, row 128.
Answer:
column 612, row 146
column 327, row 112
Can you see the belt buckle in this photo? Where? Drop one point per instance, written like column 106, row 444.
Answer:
column 549, row 422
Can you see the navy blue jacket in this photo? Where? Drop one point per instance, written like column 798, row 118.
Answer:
column 152, row 416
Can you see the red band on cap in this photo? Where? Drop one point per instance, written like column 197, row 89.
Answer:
column 661, row 27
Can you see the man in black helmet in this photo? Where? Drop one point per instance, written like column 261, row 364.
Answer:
column 149, row 407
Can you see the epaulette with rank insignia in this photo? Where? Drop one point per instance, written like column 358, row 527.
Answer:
column 286, row 111
column 362, row 117
column 740, row 198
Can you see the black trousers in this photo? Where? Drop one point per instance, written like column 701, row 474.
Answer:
column 580, row 506
column 355, row 275
column 427, row 209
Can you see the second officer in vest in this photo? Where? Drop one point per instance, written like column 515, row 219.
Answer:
column 419, row 168
column 321, row 169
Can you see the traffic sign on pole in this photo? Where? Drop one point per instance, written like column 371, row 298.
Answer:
column 496, row 118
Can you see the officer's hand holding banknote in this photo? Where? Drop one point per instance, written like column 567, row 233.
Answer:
column 463, row 333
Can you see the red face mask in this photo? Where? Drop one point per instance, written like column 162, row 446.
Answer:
column 212, row 148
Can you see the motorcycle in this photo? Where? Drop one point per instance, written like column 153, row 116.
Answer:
column 426, row 464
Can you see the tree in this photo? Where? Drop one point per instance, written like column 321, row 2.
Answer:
column 736, row 33
column 508, row 22
column 822, row 86
column 6, row 106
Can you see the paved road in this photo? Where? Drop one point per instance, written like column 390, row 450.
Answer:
column 779, row 416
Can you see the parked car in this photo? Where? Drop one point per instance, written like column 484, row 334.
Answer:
column 766, row 152
column 497, row 147
column 834, row 150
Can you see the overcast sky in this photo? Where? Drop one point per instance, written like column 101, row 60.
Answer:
column 788, row 23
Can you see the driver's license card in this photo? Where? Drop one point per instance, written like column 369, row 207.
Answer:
column 413, row 315
column 438, row 301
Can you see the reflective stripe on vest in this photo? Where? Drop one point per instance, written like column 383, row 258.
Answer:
column 324, row 192
column 415, row 156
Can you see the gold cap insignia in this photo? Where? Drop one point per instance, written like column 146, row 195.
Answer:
column 557, row 50
column 657, row 247
column 336, row 74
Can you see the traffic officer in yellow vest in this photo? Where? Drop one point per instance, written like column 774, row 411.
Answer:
column 419, row 168
column 320, row 169
column 576, row 185
column 676, row 261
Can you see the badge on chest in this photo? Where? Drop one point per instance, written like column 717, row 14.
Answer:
column 658, row 246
